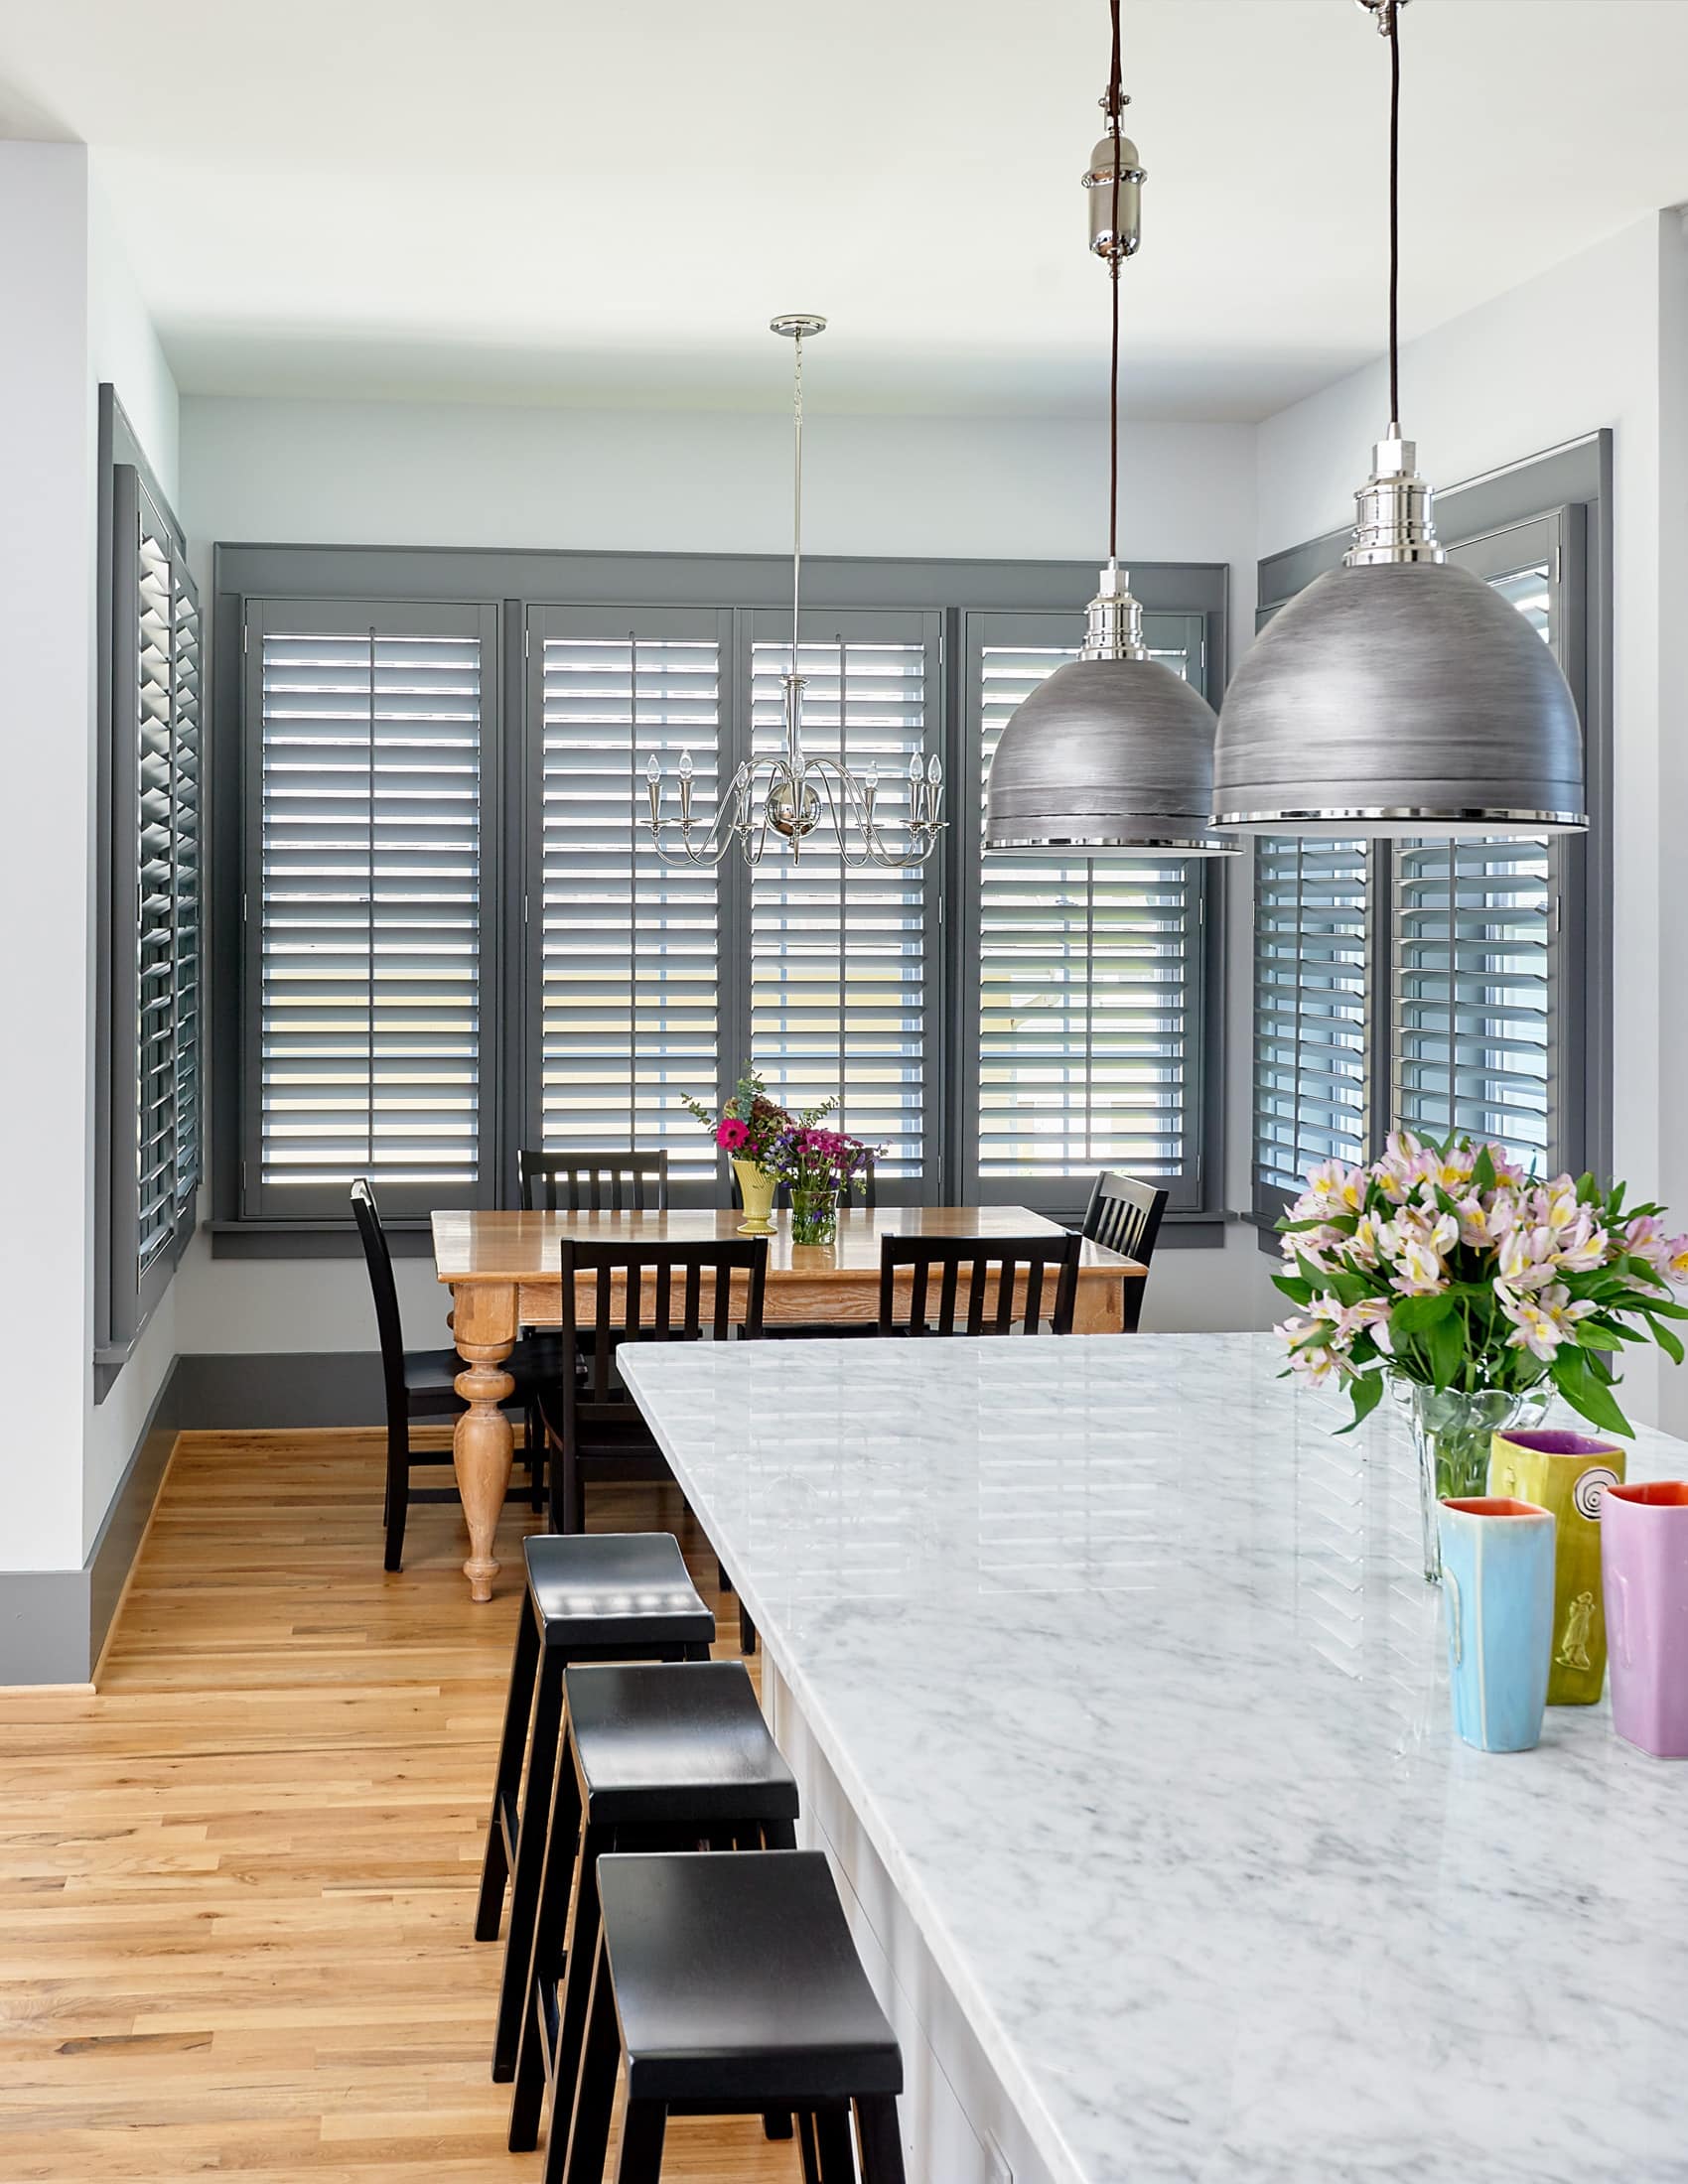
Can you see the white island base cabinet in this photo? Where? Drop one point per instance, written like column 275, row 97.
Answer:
column 959, row 2125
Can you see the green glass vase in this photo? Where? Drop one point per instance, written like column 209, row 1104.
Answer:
column 814, row 1216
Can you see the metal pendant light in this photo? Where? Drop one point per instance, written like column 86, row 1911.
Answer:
column 1111, row 755
column 1398, row 694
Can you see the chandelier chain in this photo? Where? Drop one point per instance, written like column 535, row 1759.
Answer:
column 1392, row 31
column 1115, row 105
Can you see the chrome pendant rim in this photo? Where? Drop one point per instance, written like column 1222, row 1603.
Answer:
column 1404, row 815
column 1090, row 843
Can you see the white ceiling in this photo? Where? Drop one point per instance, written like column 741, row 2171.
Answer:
column 533, row 199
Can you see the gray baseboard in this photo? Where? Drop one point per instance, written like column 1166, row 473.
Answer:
column 54, row 1622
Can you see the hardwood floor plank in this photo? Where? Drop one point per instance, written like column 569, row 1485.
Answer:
column 236, row 1882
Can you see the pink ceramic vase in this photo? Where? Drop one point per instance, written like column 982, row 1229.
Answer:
column 1643, row 1538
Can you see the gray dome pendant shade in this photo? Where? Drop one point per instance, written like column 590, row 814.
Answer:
column 1111, row 755
column 1398, row 695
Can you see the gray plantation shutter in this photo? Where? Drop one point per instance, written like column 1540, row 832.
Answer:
column 365, row 942
column 843, row 962
column 1090, row 999
column 153, row 1144
column 1481, row 993
column 1310, row 1078
column 625, row 949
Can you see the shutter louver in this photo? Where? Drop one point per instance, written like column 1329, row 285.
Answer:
column 839, row 973
column 1474, row 975
column 629, row 952
column 185, row 896
column 370, row 948
column 1311, row 927
column 155, row 990
column 1089, row 986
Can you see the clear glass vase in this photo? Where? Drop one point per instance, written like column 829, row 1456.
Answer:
column 814, row 1216
column 1454, row 1432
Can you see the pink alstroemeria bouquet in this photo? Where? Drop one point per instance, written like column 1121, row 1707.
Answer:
column 1452, row 1268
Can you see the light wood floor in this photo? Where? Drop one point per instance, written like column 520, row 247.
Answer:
column 236, row 1885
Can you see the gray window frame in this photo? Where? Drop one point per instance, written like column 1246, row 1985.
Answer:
column 1567, row 492
column 518, row 581
column 125, row 1295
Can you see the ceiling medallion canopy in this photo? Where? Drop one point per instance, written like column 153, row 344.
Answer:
column 792, row 795
column 1398, row 694
column 1111, row 755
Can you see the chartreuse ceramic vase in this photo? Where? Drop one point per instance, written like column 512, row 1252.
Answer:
column 1568, row 1473
column 1643, row 1536
column 1497, row 1597
column 755, row 1192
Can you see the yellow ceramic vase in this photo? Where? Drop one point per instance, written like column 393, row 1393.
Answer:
column 755, row 1192
column 1569, row 1474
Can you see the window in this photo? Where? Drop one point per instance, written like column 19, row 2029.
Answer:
column 843, row 960
column 460, row 938
column 1089, row 1011
column 151, row 1028
column 626, row 946
column 1436, row 985
column 365, row 931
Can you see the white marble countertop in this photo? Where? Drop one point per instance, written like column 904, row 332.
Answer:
column 1127, row 1667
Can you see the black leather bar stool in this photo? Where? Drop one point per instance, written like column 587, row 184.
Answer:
column 730, row 1987
column 590, row 1596
column 653, row 1759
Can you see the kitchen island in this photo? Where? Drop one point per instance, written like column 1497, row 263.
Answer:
column 1115, row 1692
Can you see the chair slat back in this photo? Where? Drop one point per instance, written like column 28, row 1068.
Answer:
column 1124, row 1215
column 624, row 1275
column 591, row 1182
column 389, row 1327
column 995, row 1267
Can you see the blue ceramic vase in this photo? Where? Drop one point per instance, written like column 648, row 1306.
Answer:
column 1497, row 1571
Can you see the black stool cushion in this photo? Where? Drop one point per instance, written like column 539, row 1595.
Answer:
column 679, row 1744
column 737, row 1983
column 614, row 1588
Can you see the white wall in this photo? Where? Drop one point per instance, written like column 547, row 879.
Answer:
column 461, row 475
column 1559, row 357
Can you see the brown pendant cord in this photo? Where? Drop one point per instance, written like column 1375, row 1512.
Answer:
column 1115, row 105
column 1394, row 20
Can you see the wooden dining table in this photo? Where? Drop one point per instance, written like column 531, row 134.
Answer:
column 504, row 1273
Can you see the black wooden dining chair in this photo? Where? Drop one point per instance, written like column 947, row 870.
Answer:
column 669, row 1293
column 994, row 1267
column 591, row 1182
column 549, row 1182
column 1124, row 1215
column 421, row 1384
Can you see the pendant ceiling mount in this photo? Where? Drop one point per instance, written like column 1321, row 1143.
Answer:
column 1398, row 694
column 1111, row 755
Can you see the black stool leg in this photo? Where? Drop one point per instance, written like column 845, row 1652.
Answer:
column 533, row 1434
column 587, row 2134
column 806, row 2146
column 643, row 2129
column 579, row 1971
column 747, row 1630
column 776, row 2124
column 545, row 1966
column 506, row 1782
column 832, row 2137
column 398, row 1491
column 530, row 1834
column 881, row 2141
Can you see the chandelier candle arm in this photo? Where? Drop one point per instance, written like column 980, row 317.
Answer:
column 1398, row 695
column 797, row 787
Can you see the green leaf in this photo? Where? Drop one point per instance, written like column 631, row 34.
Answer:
column 1413, row 1314
column 1669, row 1342
column 1297, row 1293
column 1287, row 1227
column 1366, row 1393
column 1482, row 1171
column 1446, row 1350
column 1571, row 1376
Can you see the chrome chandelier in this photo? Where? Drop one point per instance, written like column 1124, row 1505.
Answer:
column 787, row 795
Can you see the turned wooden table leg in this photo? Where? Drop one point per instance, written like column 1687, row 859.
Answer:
column 482, row 1446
